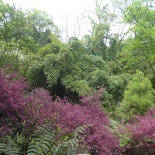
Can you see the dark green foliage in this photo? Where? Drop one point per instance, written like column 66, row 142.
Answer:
column 8, row 146
column 41, row 142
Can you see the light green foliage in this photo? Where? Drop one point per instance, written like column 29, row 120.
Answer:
column 53, row 67
column 43, row 69
column 102, row 44
column 23, row 33
column 101, row 21
column 116, row 85
column 77, row 46
column 138, row 96
column 79, row 78
column 10, row 21
column 138, row 52
column 101, row 15
column 53, row 46
column 36, row 31
column 79, row 86
column 98, row 78
column 99, row 45
column 124, row 139
column 67, row 58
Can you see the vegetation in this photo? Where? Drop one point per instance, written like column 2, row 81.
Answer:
column 93, row 95
column 138, row 96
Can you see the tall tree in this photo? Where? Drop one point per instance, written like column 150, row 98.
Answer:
column 103, row 42
column 139, row 52
column 38, row 27
column 11, row 21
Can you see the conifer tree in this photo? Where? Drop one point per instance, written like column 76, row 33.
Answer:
column 138, row 96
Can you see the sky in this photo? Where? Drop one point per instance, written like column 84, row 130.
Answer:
column 65, row 13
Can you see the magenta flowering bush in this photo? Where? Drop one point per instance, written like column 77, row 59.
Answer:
column 11, row 102
column 141, row 134
column 23, row 111
column 38, row 106
column 97, row 137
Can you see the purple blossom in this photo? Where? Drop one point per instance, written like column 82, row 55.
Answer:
column 142, row 134
column 11, row 100
column 98, row 138
column 20, row 108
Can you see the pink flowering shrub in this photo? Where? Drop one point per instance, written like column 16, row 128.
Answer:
column 66, row 117
column 29, row 110
column 11, row 102
column 141, row 135
column 38, row 106
column 97, row 137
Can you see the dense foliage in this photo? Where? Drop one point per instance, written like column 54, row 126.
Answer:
column 22, row 112
column 138, row 96
column 138, row 137
column 61, row 109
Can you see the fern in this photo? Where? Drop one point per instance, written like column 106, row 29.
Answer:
column 8, row 146
column 69, row 145
column 41, row 142
column 44, row 142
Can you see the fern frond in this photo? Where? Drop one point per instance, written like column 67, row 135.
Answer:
column 8, row 146
column 41, row 143
column 70, row 146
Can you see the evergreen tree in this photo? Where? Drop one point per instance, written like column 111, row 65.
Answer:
column 138, row 96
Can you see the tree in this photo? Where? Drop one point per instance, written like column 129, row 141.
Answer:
column 98, row 41
column 138, row 52
column 138, row 96
column 37, row 30
column 103, row 41
column 11, row 21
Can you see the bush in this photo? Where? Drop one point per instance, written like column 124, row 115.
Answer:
column 12, row 91
column 23, row 112
column 138, row 137
column 98, row 139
